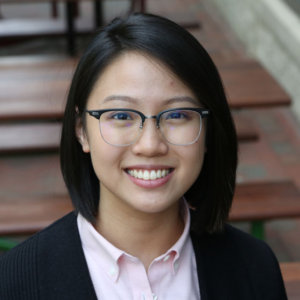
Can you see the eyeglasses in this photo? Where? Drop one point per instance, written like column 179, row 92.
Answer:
column 123, row 127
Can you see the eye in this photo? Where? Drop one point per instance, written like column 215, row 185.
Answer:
column 173, row 115
column 122, row 116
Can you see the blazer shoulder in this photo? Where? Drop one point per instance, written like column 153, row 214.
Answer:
column 250, row 250
column 260, row 262
column 232, row 238
column 248, row 245
column 246, row 266
column 18, row 267
column 27, row 249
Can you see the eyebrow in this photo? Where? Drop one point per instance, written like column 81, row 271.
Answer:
column 119, row 98
column 182, row 99
column 178, row 99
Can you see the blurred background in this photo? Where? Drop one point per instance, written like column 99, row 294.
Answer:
column 255, row 45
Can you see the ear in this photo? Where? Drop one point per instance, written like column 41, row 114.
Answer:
column 81, row 135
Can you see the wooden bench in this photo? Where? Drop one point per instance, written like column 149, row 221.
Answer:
column 291, row 276
column 39, row 89
column 262, row 201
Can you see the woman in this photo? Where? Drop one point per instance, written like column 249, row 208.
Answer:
column 149, row 155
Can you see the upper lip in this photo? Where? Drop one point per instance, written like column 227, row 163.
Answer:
column 149, row 167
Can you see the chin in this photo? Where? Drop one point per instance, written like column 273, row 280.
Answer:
column 153, row 207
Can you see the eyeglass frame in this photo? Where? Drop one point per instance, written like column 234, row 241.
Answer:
column 203, row 112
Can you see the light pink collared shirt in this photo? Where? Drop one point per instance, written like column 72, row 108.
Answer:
column 118, row 275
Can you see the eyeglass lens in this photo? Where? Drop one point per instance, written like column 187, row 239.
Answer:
column 179, row 127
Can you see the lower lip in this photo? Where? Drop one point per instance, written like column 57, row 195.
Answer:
column 150, row 183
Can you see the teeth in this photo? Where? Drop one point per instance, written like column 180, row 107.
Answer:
column 149, row 174
column 146, row 175
column 153, row 175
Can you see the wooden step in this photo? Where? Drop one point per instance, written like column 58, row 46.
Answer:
column 291, row 276
column 15, row 29
column 249, row 85
column 265, row 201
column 246, row 130
column 28, row 216
column 16, row 138
column 34, row 88
column 32, row 193
column 290, row 271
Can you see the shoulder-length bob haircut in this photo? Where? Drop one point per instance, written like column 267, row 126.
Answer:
column 211, row 195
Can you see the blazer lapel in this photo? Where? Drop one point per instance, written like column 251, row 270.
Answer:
column 221, row 273
column 212, row 275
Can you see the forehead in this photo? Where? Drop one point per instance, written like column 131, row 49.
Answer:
column 138, row 76
column 140, row 60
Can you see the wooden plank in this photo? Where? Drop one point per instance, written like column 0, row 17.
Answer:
column 27, row 216
column 290, row 271
column 291, row 276
column 249, row 85
column 246, row 131
column 14, row 29
column 265, row 201
column 32, row 193
column 34, row 89
column 29, row 137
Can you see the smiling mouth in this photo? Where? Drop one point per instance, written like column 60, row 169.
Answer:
column 149, row 174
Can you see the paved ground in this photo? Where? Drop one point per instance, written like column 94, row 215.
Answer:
column 279, row 129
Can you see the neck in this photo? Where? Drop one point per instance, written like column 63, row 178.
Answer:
column 142, row 235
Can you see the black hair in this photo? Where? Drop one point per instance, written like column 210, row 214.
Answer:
column 212, row 193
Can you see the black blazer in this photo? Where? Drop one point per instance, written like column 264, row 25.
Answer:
column 51, row 265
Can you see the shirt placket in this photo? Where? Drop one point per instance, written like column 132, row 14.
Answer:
column 138, row 279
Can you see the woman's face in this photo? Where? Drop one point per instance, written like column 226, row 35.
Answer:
column 139, row 82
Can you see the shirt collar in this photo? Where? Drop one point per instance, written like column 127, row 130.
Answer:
column 175, row 252
column 102, row 252
column 98, row 247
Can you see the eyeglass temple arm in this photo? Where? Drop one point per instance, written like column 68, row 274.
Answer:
column 204, row 113
column 94, row 114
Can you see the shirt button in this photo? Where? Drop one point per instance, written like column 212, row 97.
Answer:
column 176, row 265
column 166, row 258
column 112, row 272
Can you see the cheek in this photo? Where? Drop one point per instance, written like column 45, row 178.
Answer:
column 194, row 158
column 105, row 159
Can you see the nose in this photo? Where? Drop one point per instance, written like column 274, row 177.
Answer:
column 151, row 142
